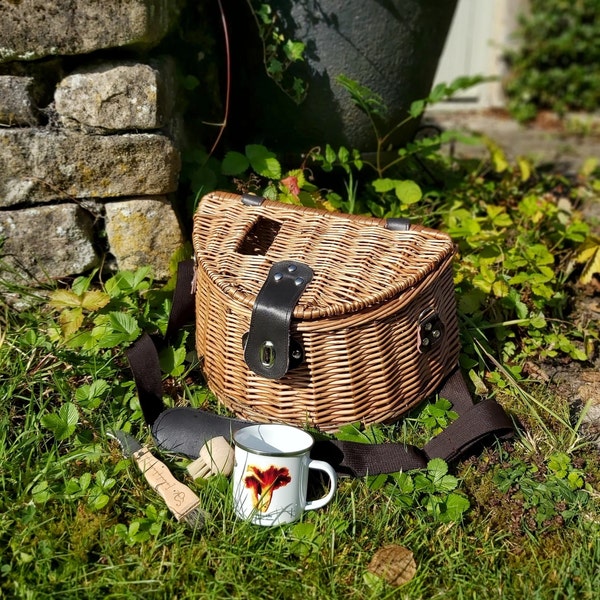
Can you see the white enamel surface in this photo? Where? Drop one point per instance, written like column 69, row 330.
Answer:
column 273, row 439
column 277, row 450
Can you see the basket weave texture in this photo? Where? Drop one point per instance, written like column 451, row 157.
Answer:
column 358, row 321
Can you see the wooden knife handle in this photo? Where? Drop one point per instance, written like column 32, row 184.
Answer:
column 177, row 496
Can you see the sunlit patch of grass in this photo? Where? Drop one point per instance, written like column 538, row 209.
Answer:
column 519, row 519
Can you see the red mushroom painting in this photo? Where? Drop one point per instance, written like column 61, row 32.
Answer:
column 262, row 484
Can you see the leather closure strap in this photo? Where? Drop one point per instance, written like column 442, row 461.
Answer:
column 185, row 430
column 267, row 347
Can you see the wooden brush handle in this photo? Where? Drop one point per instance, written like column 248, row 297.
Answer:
column 177, row 496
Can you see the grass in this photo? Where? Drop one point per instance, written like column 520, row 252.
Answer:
column 78, row 521
column 57, row 539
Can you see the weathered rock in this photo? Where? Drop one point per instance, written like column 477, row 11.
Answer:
column 32, row 29
column 30, row 86
column 41, row 165
column 114, row 97
column 18, row 103
column 143, row 232
column 46, row 242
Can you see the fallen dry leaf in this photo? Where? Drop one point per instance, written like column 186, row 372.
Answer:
column 393, row 563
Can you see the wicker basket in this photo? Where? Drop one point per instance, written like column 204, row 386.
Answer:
column 375, row 329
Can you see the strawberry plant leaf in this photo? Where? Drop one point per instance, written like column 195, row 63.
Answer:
column 126, row 324
column 263, row 161
column 60, row 299
column 70, row 321
column 94, row 300
column 63, row 423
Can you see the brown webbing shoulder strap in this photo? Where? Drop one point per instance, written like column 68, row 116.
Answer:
column 185, row 430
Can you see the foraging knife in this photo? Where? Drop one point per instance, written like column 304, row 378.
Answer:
column 179, row 498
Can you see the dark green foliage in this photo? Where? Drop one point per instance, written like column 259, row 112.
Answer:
column 556, row 64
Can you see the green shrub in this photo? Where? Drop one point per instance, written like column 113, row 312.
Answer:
column 556, row 64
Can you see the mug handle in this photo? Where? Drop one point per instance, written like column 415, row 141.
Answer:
column 321, row 465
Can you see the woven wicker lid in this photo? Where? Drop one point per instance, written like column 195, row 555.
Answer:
column 357, row 261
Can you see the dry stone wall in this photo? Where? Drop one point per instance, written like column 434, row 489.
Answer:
column 88, row 167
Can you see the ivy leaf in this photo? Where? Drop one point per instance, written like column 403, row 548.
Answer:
column 275, row 68
column 294, row 50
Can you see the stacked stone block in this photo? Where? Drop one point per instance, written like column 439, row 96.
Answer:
column 87, row 166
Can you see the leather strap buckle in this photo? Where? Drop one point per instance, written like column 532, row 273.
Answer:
column 267, row 344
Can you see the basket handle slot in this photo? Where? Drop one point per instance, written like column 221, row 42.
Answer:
column 259, row 237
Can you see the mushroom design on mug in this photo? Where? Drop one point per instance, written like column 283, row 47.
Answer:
column 262, row 484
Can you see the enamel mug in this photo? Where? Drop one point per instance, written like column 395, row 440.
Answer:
column 270, row 474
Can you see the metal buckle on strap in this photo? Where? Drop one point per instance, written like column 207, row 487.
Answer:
column 268, row 348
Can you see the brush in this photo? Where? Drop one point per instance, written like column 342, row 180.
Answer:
column 216, row 456
column 179, row 498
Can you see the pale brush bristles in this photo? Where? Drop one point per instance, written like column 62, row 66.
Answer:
column 195, row 518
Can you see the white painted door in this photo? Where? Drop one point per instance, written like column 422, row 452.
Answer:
column 480, row 33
